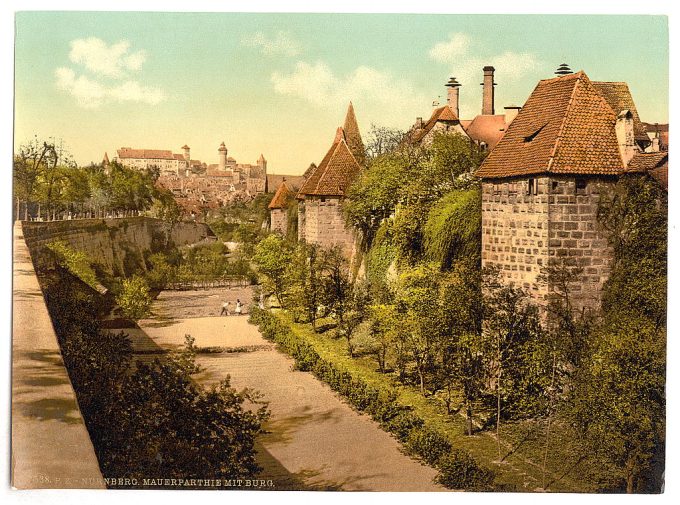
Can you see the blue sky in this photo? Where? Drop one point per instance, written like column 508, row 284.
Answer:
column 279, row 84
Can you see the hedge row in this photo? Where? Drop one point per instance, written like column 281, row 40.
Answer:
column 457, row 469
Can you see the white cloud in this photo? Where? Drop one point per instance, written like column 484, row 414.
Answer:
column 101, row 59
column 447, row 51
column 90, row 93
column 105, row 74
column 465, row 64
column 510, row 67
column 317, row 84
column 281, row 44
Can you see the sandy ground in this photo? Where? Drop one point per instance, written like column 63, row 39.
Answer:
column 314, row 439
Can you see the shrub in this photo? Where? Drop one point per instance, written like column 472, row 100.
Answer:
column 429, row 444
column 459, row 470
column 134, row 299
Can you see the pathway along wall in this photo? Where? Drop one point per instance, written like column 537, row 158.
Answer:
column 118, row 245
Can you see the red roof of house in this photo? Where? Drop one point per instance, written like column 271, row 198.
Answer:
column 655, row 164
column 566, row 127
column 292, row 181
column 335, row 173
column 163, row 154
column 282, row 196
column 444, row 113
column 487, row 128
column 619, row 99
column 353, row 136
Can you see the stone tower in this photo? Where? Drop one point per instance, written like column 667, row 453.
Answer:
column 222, row 152
column 187, row 153
column 541, row 187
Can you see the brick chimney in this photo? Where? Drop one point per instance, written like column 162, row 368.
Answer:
column 487, row 91
column 625, row 136
column 453, row 95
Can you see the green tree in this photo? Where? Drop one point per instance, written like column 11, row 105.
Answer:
column 273, row 257
column 618, row 403
column 512, row 327
column 134, row 299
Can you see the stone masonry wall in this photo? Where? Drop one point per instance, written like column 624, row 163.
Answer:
column 279, row 221
column 325, row 225
column 576, row 237
column 556, row 224
column 515, row 231
column 116, row 244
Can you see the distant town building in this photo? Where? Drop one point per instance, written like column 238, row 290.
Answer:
column 320, row 199
column 541, row 184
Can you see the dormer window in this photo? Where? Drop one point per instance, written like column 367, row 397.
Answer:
column 533, row 135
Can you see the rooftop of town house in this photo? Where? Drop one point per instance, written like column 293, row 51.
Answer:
column 162, row 154
column 565, row 127
column 617, row 95
column 294, row 182
column 444, row 113
column 487, row 128
column 655, row 164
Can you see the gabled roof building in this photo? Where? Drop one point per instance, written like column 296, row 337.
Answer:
column 320, row 219
column 541, row 184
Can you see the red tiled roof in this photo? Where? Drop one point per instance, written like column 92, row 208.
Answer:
column 179, row 157
column 281, row 198
column 644, row 162
column 566, row 127
column 619, row 98
column 335, row 173
column 487, row 128
column 292, row 181
column 145, row 153
column 309, row 171
column 444, row 113
column 353, row 136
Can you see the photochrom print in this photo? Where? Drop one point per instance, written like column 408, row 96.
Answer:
column 375, row 252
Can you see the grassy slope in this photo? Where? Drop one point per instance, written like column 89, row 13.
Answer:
column 516, row 469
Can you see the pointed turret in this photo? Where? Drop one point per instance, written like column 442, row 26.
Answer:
column 105, row 161
column 353, row 136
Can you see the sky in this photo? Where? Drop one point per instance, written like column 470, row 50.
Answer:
column 279, row 84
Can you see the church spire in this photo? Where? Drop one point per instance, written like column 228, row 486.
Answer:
column 353, row 136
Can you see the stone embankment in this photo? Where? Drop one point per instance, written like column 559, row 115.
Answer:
column 118, row 245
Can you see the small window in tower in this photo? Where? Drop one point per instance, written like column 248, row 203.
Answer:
column 531, row 187
column 581, row 185
column 554, row 185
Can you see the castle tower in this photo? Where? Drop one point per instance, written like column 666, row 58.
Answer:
column 222, row 153
column 187, row 152
column 353, row 136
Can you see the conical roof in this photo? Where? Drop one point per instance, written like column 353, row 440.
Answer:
column 353, row 136
column 335, row 173
column 282, row 196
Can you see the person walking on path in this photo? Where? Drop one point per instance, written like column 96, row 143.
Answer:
column 239, row 307
column 261, row 302
column 225, row 308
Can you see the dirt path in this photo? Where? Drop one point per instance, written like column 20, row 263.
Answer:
column 315, row 440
